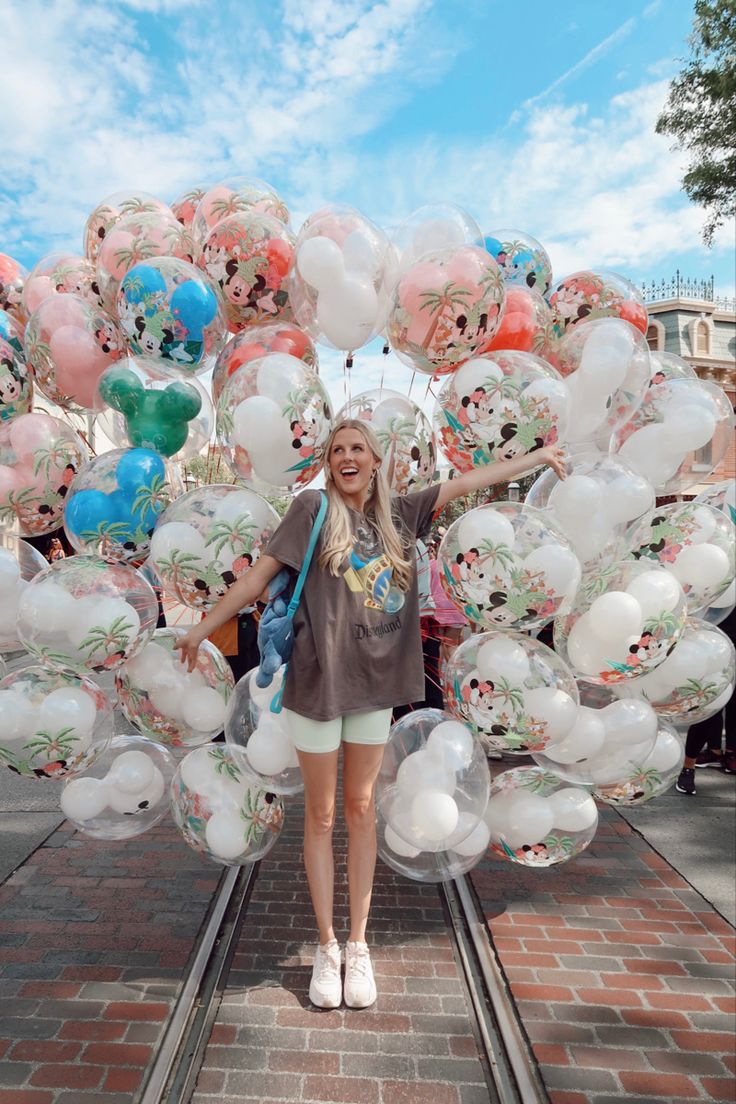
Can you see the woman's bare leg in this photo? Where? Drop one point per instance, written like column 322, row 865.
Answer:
column 362, row 763
column 319, row 771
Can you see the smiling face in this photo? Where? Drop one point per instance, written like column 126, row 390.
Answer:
column 351, row 464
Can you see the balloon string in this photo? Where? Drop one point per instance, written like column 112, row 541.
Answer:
column 413, row 377
column 348, row 366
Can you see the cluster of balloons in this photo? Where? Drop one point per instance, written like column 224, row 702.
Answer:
column 178, row 322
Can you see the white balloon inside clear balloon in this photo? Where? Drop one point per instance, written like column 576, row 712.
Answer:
column 261, row 740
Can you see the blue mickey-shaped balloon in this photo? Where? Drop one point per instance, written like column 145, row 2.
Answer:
column 194, row 304
column 142, row 280
column 138, row 467
column 493, row 245
column 90, row 514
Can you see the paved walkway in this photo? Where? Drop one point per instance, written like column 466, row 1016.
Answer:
column 415, row 1046
column 623, row 975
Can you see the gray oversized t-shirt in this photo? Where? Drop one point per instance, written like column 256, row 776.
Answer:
column 357, row 645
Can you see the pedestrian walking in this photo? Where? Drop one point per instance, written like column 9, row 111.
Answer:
column 356, row 653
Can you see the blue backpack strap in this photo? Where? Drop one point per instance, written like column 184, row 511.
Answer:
column 316, row 527
column 277, row 700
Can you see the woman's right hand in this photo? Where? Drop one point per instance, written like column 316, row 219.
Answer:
column 188, row 645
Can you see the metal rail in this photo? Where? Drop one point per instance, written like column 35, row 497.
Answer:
column 511, row 1071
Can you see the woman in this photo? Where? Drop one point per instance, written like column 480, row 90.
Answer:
column 357, row 652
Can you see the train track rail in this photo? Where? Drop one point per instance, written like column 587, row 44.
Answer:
column 510, row 1069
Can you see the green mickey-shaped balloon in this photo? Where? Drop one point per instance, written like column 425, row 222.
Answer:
column 153, row 419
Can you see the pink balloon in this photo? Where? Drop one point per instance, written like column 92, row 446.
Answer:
column 422, row 276
column 8, row 481
column 78, row 364
column 30, row 432
column 36, row 290
column 468, row 266
column 63, row 310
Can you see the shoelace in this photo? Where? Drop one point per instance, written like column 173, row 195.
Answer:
column 326, row 967
column 360, row 962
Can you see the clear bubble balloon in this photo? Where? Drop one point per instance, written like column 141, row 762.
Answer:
column 695, row 543
column 499, row 406
column 585, row 296
column 607, row 369
column 179, row 708
column 124, row 793
column 219, row 810
column 526, row 325
column 206, row 539
column 595, row 506
column 152, row 405
column 665, row 441
column 444, row 307
column 625, row 619
column 112, row 506
column 54, row 724
column 515, row 692
column 249, row 257
column 86, row 614
column 505, row 566
column 104, row 216
column 654, row 775
column 338, row 287
column 69, row 344
column 524, row 262
column 61, row 274
column 273, row 421
column 258, row 341
column 404, row 432
column 134, row 238
column 19, row 563
column 696, row 680
column 39, row 458
column 535, row 819
column 185, row 205
column 236, row 195
column 429, row 229
column 16, row 382
column 169, row 309
column 261, row 740
column 12, row 279
column 432, row 788
column 430, row 866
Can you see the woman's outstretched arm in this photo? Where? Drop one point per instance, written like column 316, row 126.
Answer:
column 243, row 592
column 501, row 472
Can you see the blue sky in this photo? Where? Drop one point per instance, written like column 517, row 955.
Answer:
column 531, row 115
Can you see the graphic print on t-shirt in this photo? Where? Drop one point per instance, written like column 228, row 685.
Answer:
column 370, row 572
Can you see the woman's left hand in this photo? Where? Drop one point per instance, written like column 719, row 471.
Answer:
column 555, row 457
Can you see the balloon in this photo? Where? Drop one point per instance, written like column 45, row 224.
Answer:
column 523, row 261
column 513, row 691
column 136, row 236
column 167, row 309
column 153, row 411
column 261, row 740
column 434, row 816
column 106, row 214
column 523, row 815
column 484, row 566
column 579, row 299
column 404, row 432
column 573, row 809
column 237, row 194
column 210, row 783
column 614, row 615
column 498, row 406
column 274, row 419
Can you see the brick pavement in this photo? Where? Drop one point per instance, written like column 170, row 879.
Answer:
column 94, row 937
column 415, row 1046
column 624, row 976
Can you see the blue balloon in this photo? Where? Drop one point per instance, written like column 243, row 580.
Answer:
column 493, row 245
column 142, row 280
column 195, row 305
column 138, row 468
column 87, row 510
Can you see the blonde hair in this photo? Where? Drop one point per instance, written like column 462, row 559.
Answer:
column 337, row 542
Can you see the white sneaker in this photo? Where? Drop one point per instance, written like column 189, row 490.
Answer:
column 360, row 985
column 325, row 988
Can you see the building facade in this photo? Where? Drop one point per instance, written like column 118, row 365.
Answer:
column 686, row 318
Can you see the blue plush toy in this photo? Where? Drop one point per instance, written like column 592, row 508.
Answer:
column 275, row 629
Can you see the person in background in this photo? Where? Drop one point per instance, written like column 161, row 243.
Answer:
column 56, row 551
column 704, row 742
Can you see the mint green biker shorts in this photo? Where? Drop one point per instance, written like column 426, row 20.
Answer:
column 323, row 736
